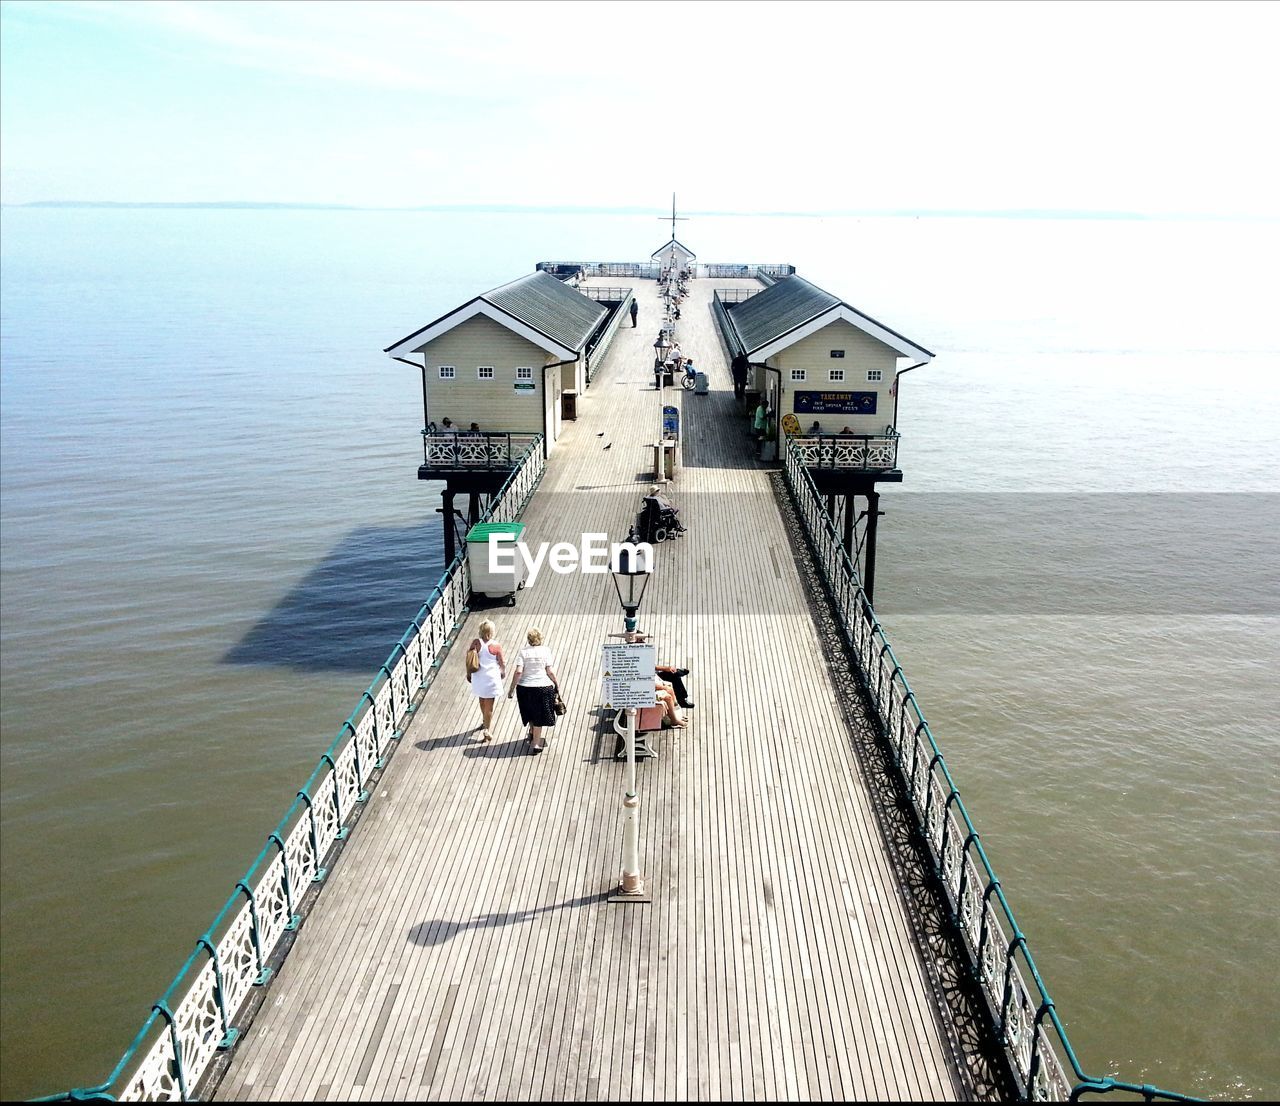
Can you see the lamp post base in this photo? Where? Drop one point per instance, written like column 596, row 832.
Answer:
column 639, row 894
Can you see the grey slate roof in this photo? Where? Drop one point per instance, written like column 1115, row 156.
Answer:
column 540, row 301
column 786, row 305
column 550, row 306
column 781, row 307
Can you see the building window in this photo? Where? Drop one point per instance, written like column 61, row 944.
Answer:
column 447, row 372
column 797, row 374
column 874, row 375
column 837, row 353
column 524, row 372
column 484, row 372
column 836, row 375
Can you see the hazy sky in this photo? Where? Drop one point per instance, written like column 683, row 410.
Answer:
column 1152, row 107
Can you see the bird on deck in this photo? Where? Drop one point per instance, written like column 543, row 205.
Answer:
column 600, row 434
column 608, row 445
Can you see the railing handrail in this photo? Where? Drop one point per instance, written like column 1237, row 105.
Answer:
column 607, row 293
column 247, row 931
column 954, row 847
column 849, row 452
column 475, row 448
column 725, row 269
column 888, row 434
column 735, row 295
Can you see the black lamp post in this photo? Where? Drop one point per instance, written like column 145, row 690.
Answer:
column 660, row 348
column 629, row 580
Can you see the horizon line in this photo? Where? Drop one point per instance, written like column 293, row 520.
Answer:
column 500, row 208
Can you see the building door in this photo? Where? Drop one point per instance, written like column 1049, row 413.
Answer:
column 549, row 402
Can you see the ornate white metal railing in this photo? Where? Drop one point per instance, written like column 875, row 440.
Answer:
column 474, row 449
column 195, row 1018
column 861, row 452
column 1025, row 1020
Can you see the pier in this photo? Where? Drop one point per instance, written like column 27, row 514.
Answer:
column 465, row 947
column 433, row 918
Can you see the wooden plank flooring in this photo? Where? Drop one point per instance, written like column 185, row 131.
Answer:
column 464, row 948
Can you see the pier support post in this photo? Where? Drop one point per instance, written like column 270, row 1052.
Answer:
column 849, row 502
column 450, row 546
column 869, row 573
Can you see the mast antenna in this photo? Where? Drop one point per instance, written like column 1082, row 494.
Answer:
column 674, row 217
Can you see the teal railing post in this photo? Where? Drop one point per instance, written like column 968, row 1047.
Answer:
column 1015, row 942
column 361, row 794
column 1033, row 1067
column 229, row 1032
column 315, row 838
column 288, row 882
column 341, row 834
column 162, row 1008
column 264, row 973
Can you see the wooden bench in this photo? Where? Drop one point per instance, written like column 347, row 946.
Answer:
column 648, row 720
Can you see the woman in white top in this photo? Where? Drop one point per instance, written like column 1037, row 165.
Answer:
column 535, row 685
column 486, row 683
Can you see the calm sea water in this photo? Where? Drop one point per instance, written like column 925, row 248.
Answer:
column 212, row 534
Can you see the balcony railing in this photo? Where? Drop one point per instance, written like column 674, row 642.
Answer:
column 735, row 295
column 716, row 272
column 475, row 449
column 857, row 452
column 605, row 294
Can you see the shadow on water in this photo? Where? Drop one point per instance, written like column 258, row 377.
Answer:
column 349, row 611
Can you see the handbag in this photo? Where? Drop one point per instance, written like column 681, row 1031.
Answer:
column 558, row 706
column 473, row 662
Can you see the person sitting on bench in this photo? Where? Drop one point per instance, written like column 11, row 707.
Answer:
column 675, row 677
column 667, row 701
column 669, row 674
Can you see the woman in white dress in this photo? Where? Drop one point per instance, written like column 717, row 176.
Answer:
column 536, row 686
column 486, row 682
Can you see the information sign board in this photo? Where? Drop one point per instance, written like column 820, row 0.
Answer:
column 628, row 672
column 835, row 403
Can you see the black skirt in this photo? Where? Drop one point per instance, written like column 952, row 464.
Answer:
column 537, row 705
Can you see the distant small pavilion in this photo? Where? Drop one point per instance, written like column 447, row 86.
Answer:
column 674, row 255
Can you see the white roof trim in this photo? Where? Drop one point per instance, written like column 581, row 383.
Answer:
column 849, row 315
column 469, row 311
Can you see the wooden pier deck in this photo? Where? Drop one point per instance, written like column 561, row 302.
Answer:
column 464, row 947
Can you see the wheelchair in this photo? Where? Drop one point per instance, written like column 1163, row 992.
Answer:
column 658, row 521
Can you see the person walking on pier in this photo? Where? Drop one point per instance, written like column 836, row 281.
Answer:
column 739, row 369
column 536, row 688
column 486, row 681
column 635, row 310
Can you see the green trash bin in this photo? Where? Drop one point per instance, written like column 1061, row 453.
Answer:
column 486, row 578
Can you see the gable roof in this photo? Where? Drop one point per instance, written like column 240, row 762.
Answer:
column 668, row 245
column 792, row 309
column 538, row 307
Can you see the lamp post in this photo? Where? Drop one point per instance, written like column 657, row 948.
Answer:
column 660, row 348
column 630, row 578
